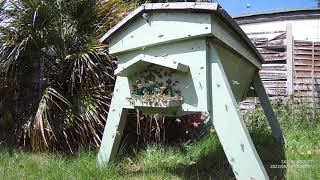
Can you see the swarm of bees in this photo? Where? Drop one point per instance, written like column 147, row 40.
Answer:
column 155, row 86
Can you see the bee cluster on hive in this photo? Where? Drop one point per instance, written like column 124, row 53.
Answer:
column 155, row 86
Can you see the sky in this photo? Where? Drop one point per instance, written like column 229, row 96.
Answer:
column 238, row 7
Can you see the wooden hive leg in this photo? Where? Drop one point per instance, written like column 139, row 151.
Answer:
column 115, row 124
column 230, row 127
column 267, row 108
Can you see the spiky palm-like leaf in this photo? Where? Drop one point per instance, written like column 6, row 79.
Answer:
column 43, row 130
column 57, row 75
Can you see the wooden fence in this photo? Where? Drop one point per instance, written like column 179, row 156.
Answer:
column 292, row 68
column 307, row 70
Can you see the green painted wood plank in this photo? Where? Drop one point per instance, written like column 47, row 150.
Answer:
column 221, row 31
column 163, row 27
column 149, row 7
column 239, row 71
column 142, row 61
column 112, row 135
column 115, row 122
column 229, row 125
column 192, row 84
column 267, row 107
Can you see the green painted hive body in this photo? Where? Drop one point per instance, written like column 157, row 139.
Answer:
column 180, row 58
column 192, row 37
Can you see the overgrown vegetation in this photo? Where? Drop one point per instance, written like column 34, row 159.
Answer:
column 55, row 86
column 56, row 79
column 200, row 158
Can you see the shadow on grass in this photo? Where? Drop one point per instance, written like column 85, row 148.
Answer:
column 214, row 164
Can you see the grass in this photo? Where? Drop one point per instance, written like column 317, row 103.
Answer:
column 202, row 158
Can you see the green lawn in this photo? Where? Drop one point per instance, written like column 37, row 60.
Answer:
column 201, row 159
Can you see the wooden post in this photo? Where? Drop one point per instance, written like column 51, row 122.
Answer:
column 313, row 82
column 112, row 135
column 229, row 125
column 115, row 122
column 267, row 108
column 313, row 87
column 290, row 63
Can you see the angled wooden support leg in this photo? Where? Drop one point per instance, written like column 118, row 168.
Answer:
column 231, row 129
column 112, row 135
column 115, row 123
column 267, row 108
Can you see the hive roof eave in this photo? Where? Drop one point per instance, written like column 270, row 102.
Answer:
column 196, row 6
column 160, row 6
